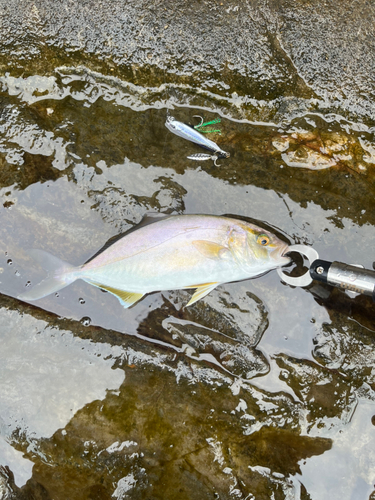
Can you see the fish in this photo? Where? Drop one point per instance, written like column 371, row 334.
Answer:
column 197, row 252
column 192, row 135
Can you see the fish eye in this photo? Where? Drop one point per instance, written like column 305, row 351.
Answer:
column 263, row 240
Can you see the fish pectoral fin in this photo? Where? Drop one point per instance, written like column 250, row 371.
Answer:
column 201, row 291
column 210, row 249
column 126, row 299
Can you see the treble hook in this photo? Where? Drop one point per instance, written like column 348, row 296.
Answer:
column 215, row 158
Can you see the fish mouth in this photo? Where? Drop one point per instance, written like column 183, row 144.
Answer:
column 280, row 255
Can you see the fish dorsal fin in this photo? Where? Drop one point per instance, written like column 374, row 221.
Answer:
column 126, row 299
column 150, row 218
column 211, row 249
column 201, row 291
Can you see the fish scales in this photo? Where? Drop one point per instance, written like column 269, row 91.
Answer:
column 183, row 251
column 163, row 253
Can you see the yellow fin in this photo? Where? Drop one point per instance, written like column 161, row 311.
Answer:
column 213, row 283
column 210, row 249
column 126, row 299
column 201, row 291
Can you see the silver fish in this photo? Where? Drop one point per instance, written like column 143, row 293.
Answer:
column 178, row 252
column 190, row 134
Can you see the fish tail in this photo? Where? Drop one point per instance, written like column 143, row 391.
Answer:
column 60, row 274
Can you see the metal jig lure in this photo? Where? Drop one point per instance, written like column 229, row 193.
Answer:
column 193, row 135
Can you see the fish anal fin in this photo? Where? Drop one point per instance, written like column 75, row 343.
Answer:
column 201, row 291
column 126, row 299
column 210, row 249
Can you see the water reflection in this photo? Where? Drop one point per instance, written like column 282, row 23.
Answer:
column 170, row 421
column 254, row 388
column 128, row 122
column 35, row 399
column 355, row 440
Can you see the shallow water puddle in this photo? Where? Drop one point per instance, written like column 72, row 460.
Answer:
column 249, row 393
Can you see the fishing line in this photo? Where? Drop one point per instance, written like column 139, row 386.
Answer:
column 168, row 114
column 290, row 212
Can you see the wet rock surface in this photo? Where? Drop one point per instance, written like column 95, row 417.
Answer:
column 259, row 51
column 257, row 391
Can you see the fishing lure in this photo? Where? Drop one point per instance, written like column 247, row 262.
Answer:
column 204, row 157
column 192, row 135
